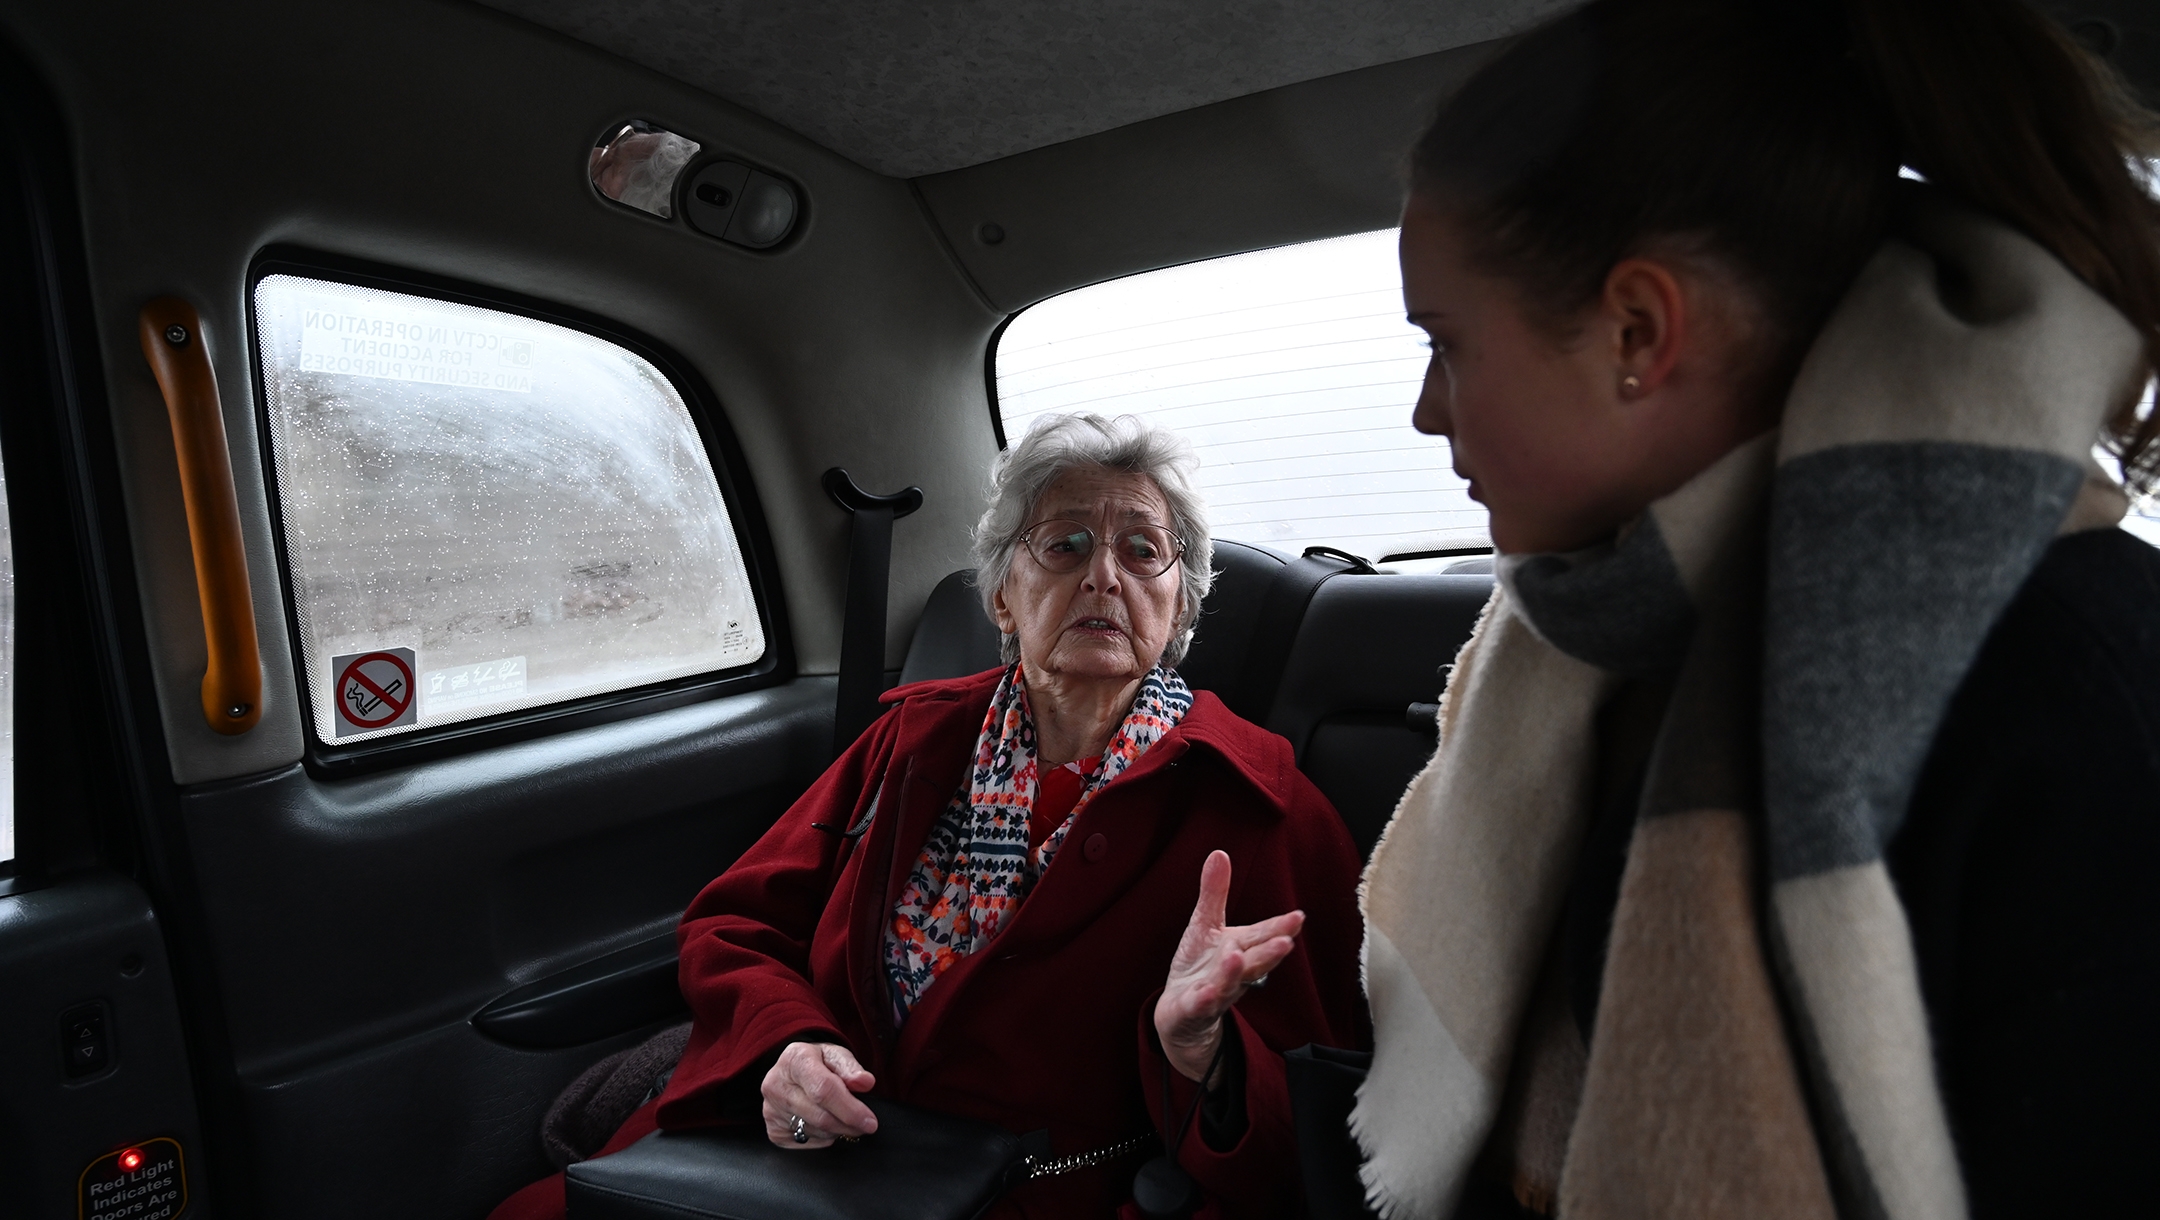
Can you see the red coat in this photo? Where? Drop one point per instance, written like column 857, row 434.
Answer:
column 1050, row 1026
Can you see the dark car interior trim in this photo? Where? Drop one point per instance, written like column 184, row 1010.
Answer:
column 990, row 380
column 90, row 803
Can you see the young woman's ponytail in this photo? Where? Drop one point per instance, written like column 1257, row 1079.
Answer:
column 1989, row 100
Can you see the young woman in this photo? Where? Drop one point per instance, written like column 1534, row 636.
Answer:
column 1788, row 847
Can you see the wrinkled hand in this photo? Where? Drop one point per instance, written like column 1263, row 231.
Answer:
column 1215, row 966
column 816, row 1081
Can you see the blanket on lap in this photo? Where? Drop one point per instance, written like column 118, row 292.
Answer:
column 1815, row 598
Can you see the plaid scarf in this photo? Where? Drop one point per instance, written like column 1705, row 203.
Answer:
column 975, row 868
column 1761, row 1047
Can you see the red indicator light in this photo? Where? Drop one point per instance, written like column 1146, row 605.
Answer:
column 131, row 1160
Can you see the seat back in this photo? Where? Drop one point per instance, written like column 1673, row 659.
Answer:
column 1371, row 646
column 1368, row 648
column 1216, row 660
column 954, row 637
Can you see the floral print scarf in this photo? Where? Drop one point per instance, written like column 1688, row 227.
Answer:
column 975, row 867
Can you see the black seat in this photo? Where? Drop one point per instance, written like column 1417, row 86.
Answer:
column 1368, row 647
column 953, row 638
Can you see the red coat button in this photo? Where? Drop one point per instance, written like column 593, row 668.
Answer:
column 1097, row 847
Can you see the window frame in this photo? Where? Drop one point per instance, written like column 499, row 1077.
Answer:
column 722, row 450
column 990, row 377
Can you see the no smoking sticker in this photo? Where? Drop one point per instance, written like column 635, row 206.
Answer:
column 374, row 690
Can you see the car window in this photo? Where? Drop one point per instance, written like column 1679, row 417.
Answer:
column 1291, row 370
column 483, row 512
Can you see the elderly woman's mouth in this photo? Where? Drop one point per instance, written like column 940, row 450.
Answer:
column 1100, row 626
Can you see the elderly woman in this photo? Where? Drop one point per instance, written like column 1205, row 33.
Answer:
column 1012, row 899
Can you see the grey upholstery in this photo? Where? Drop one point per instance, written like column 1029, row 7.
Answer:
column 919, row 89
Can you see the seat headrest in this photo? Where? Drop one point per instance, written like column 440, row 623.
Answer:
column 954, row 638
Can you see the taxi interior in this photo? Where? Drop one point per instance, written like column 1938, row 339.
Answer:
column 267, row 962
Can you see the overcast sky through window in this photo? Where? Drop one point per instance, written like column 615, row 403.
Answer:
column 1292, row 372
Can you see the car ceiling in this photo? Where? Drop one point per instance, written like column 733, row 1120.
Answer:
column 915, row 89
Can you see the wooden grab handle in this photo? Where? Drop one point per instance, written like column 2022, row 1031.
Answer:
column 232, row 685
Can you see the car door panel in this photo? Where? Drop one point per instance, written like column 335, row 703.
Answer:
column 440, row 1123
column 86, row 945
column 594, row 999
column 460, row 878
column 364, row 921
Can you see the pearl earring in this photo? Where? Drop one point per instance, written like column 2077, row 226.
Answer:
column 1631, row 384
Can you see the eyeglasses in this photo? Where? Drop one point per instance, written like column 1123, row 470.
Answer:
column 1063, row 546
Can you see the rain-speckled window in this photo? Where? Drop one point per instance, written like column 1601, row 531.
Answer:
column 484, row 512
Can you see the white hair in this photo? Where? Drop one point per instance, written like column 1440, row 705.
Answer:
column 1127, row 444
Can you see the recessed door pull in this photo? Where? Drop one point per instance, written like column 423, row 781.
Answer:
column 171, row 334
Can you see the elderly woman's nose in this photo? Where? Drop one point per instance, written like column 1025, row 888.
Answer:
column 1103, row 573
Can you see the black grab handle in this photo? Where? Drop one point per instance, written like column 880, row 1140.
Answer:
column 841, row 487
column 862, row 631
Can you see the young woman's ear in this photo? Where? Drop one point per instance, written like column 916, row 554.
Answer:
column 1646, row 312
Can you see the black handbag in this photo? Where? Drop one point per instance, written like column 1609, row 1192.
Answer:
column 1323, row 1090
column 919, row 1166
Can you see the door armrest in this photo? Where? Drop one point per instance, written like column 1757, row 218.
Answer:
column 590, row 1001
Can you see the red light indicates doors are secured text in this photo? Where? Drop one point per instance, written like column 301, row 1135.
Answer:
column 145, row 1181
